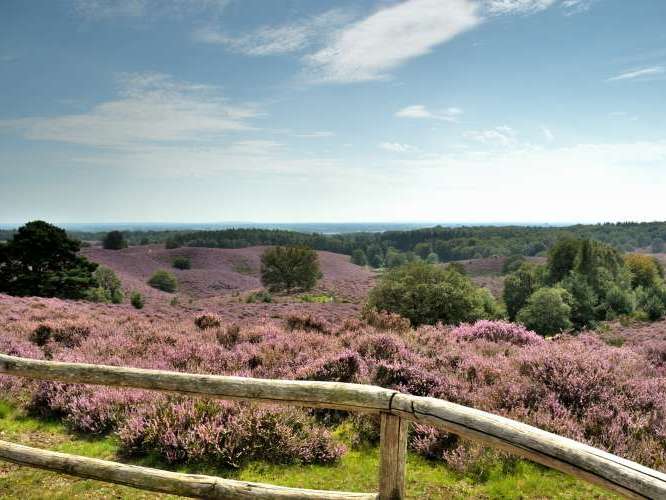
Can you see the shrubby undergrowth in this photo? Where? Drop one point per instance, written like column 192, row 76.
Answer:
column 581, row 387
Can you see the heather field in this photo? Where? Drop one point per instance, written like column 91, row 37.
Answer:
column 607, row 389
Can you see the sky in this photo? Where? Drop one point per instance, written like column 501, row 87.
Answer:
column 340, row 111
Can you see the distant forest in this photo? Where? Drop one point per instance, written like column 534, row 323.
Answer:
column 447, row 243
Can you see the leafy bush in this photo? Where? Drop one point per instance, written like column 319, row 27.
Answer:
column 171, row 243
column 260, row 296
column 582, row 299
column 182, row 263
column 40, row 260
column 513, row 263
column 394, row 258
column 645, row 270
column 136, row 299
column 518, row 287
column 164, row 280
column 288, row 268
column 547, row 311
column 207, row 320
column 114, row 240
column 358, row 257
column 432, row 258
column 620, row 301
column 427, row 294
column 652, row 300
column 109, row 287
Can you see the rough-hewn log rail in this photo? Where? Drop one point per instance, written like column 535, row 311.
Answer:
column 623, row 476
column 188, row 485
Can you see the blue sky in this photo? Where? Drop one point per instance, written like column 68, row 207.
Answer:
column 300, row 110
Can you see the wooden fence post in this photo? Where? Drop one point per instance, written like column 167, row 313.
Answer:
column 392, row 456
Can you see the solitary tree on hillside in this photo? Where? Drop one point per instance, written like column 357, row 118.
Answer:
column 287, row 268
column 42, row 261
column 114, row 241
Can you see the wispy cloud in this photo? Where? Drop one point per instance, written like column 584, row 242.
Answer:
column 419, row 111
column 273, row 40
column 369, row 49
column 498, row 136
column 547, row 133
column 639, row 73
column 150, row 108
column 396, row 147
column 517, row 6
column 107, row 9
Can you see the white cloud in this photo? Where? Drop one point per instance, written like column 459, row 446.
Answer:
column 273, row 40
column 639, row 73
column 151, row 108
column 106, row 9
column 369, row 49
column 396, row 147
column 517, row 6
column 315, row 135
column 498, row 136
column 419, row 111
column 547, row 134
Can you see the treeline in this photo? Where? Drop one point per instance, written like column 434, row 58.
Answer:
column 441, row 243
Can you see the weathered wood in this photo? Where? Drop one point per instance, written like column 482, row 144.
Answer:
column 566, row 455
column 335, row 395
column 392, row 456
column 591, row 464
column 189, row 485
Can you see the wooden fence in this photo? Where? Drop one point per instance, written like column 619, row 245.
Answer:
column 396, row 411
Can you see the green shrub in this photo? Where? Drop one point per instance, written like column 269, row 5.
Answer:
column 652, row 301
column 108, row 289
column 114, row 240
column 645, row 270
column 288, row 268
column 512, row 263
column 582, row 299
column 432, row 258
column 358, row 257
column 170, row 244
column 547, row 311
column 427, row 294
column 182, row 263
column 136, row 299
column 394, row 258
column 518, row 286
column 317, row 299
column 620, row 301
column 260, row 296
column 163, row 280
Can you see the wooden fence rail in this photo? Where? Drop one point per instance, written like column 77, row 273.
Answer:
column 397, row 410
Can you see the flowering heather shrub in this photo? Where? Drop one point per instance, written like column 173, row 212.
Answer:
column 207, row 320
column 580, row 387
column 497, row 331
column 383, row 320
column 307, row 323
column 66, row 334
column 227, row 434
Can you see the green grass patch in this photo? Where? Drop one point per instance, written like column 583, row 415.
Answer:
column 318, row 299
column 356, row 471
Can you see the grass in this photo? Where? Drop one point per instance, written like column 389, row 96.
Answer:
column 357, row 471
column 319, row 299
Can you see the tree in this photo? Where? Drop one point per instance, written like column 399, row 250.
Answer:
column 358, row 257
column 547, row 311
column 41, row 260
column 375, row 255
column 427, row 294
column 644, row 269
column 114, row 240
column 518, row 286
column 432, row 258
column 583, row 300
column 287, row 268
column 423, row 249
column 562, row 258
column 394, row 258
column 163, row 280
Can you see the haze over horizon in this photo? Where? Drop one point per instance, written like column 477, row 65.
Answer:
column 475, row 111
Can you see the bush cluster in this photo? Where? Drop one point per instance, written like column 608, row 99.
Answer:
column 163, row 280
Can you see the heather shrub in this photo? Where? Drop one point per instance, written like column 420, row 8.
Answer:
column 307, row 322
column 207, row 320
column 136, row 299
column 427, row 294
column 226, row 434
column 288, row 268
column 66, row 334
column 382, row 320
column 182, row 263
column 343, row 367
column 163, row 280
column 546, row 312
column 229, row 336
column 497, row 331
